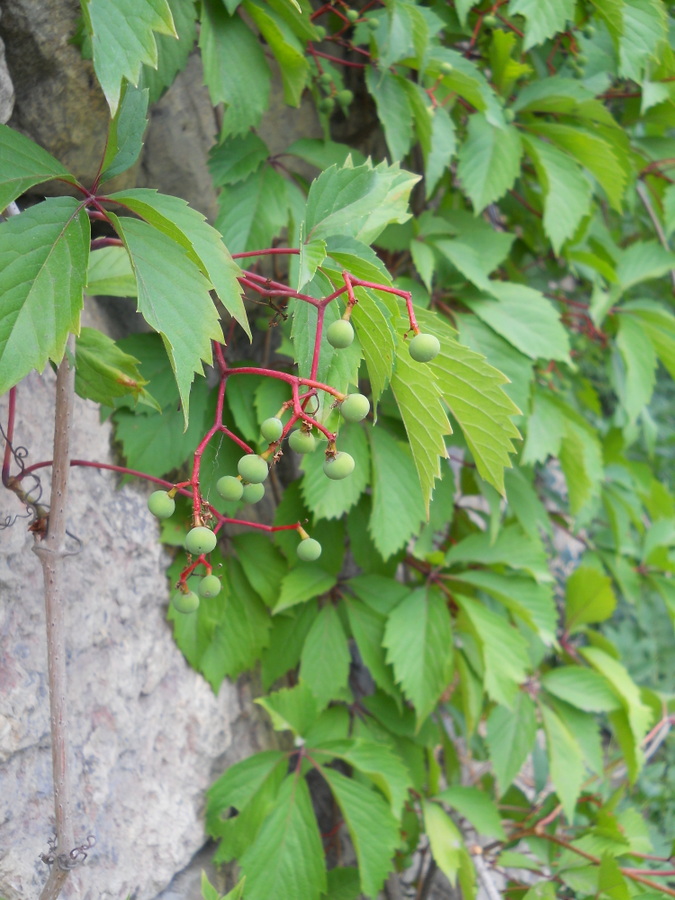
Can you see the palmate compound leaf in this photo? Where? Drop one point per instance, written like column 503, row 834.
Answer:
column 171, row 292
column 23, row 164
column 188, row 227
column 286, row 860
column 123, row 40
column 372, row 827
column 43, row 270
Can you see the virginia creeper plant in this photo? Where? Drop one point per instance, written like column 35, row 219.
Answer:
column 458, row 417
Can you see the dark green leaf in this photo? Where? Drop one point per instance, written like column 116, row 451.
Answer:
column 324, row 664
column 23, row 164
column 125, row 132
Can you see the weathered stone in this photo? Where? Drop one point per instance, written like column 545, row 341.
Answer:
column 6, row 87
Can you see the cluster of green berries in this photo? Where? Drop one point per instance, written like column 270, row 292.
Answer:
column 186, row 601
column 423, row 347
column 333, row 96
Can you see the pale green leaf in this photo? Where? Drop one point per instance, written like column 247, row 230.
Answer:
column 639, row 357
column 123, row 40
column 643, row 261
column 584, row 688
column 445, row 839
column 240, row 783
column 24, row 164
column 512, row 547
column 475, row 805
column 125, row 132
column 254, row 211
column 417, row 391
column 324, row 664
column 393, row 108
column 286, row 861
column 644, row 27
column 291, row 709
column 235, row 68
column 371, row 320
column 669, row 209
column 324, row 154
column 588, row 598
column 110, row 273
column 543, row 18
column 312, row 254
column 510, row 737
column 396, row 514
column 367, row 627
column 489, row 161
column 43, row 268
column 418, row 638
column 582, row 464
column 171, row 291
column 372, row 827
column 301, row 584
column 504, row 649
column 566, row 762
column 189, row 228
column 659, row 326
column 567, row 193
column 525, row 318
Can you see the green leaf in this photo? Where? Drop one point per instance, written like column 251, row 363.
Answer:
column 489, row 161
column 237, row 891
column 637, row 28
column 505, row 656
column 240, row 783
column 287, row 638
column 592, row 152
column 288, row 51
column 639, row 357
column 567, row 193
column 372, row 827
column 418, row 395
column 286, row 861
column 291, row 709
column 104, row 372
column 418, row 638
column 543, row 18
column 588, row 598
column 123, row 40
column 510, row 737
column 43, row 269
column 367, row 627
column 324, row 154
column 474, row 804
column 329, row 499
column 343, row 884
column 393, row 109
column 371, row 320
column 378, row 763
column 110, row 274
column 396, row 514
column 125, row 132
column 235, row 68
column 235, row 158
column 439, row 150
column 584, row 688
column 312, row 254
column 172, row 54
column 172, row 291
column 24, row 164
column 566, row 762
column 302, row 584
column 358, row 201
column 512, row 547
column 643, row 261
column 188, row 227
column 324, row 664
column 444, row 837
column 254, row 211
column 263, row 564
column 525, row 318
column 659, row 326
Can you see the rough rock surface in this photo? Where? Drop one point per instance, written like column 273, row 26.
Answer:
column 6, row 87
column 147, row 732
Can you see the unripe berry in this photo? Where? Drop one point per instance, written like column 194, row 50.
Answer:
column 302, row 441
column 185, row 603
column 355, row 407
column 253, row 493
column 373, row 24
column 339, row 466
column 352, row 15
column 320, row 32
column 230, row 488
column 325, row 78
column 200, row 540
column 340, row 334
column 490, row 21
column 161, row 505
column 424, row 347
column 271, row 429
column 447, row 68
column 253, row 468
column 209, row 586
column 327, row 105
column 589, row 31
column 345, row 97
column 509, row 114
column 308, row 550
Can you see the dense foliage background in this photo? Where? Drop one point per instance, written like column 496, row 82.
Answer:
column 480, row 656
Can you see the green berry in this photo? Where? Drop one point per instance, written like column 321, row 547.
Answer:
column 161, row 505
column 271, row 429
column 209, row 586
column 253, row 493
column 447, row 68
column 352, row 15
column 355, row 407
column 253, row 468
column 185, row 603
column 373, row 24
column 200, row 540
column 589, row 31
column 509, row 115
column 308, row 550
column 340, row 334
column 302, row 441
column 229, row 488
column 490, row 21
column 325, row 78
column 424, row 347
column 345, row 97
column 320, row 32
column 339, row 466
column 327, row 105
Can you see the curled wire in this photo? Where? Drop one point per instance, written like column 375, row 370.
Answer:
column 19, row 454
